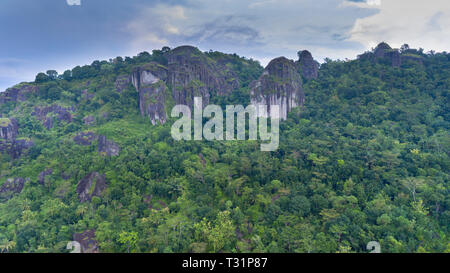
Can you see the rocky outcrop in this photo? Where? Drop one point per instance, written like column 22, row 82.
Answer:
column 91, row 185
column 393, row 56
column 9, row 143
column 89, row 120
column 17, row 93
column 87, row 95
column 8, row 129
column 44, row 174
column 308, row 66
column 107, row 147
column 189, row 73
column 280, row 84
column 192, row 73
column 85, row 138
column 59, row 112
column 87, row 241
column 149, row 82
column 10, row 187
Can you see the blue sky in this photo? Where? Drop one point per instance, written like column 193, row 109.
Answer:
column 38, row 35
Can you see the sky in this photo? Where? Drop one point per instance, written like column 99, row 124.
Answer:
column 38, row 35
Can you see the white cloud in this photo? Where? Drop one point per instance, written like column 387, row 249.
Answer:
column 73, row 2
column 418, row 23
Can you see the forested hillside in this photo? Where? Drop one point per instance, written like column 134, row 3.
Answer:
column 88, row 156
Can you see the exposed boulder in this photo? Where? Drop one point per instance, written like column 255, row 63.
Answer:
column 189, row 73
column 84, row 138
column 153, row 93
column 308, row 66
column 89, row 120
column 60, row 112
column 17, row 93
column 9, row 142
column 91, row 185
column 10, row 187
column 107, row 147
column 122, row 82
column 8, row 129
column 87, row 241
column 280, row 84
column 384, row 52
column 192, row 73
column 381, row 50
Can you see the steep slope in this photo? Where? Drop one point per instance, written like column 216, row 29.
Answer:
column 365, row 159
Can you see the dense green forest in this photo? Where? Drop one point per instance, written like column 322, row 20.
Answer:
column 366, row 158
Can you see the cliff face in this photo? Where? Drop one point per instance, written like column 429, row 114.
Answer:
column 308, row 66
column 149, row 82
column 191, row 73
column 188, row 73
column 280, row 84
column 10, row 187
column 17, row 93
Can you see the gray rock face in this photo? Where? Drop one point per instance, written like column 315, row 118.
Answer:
column 192, row 74
column 91, row 185
column 89, row 120
column 122, row 82
column 18, row 93
column 87, row 240
column 384, row 51
column 84, row 138
column 8, row 129
column 10, row 187
column 280, row 84
column 43, row 174
column 106, row 147
column 8, row 138
column 149, row 82
column 308, row 66
column 189, row 73
column 62, row 114
column 381, row 49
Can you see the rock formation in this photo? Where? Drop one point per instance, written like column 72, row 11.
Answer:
column 188, row 73
column 62, row 114
column 191, row 73
column 392, row 55
column 17, row 93
column 280, row 84
column 44, row 174
column 10, row 187
column 91, row 185
column 9, row 142
column 85, row 138
column 308, row 66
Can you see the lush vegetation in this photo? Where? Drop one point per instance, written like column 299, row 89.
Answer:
column 366, row 159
